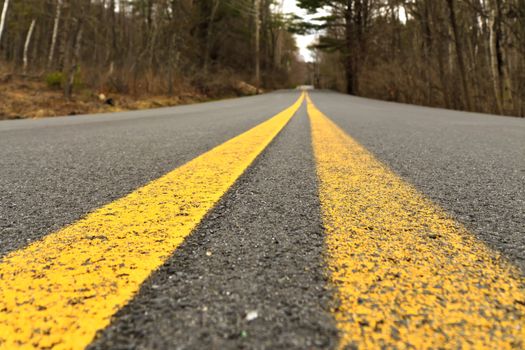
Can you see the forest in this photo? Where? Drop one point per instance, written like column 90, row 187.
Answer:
column 214, row 48
column 458, row 54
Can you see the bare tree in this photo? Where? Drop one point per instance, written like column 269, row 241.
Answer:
column 3, row 17
column 458, row 41
column 145, row 47
column 440, row 54
column 26, row 45
column 500, row 76
column 75, row 59
column 257, row 19
column 54, row 35
column 209, row 34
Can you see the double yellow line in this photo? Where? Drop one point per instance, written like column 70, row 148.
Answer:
column 406, row 274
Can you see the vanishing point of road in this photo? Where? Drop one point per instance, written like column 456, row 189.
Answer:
column 290, row 220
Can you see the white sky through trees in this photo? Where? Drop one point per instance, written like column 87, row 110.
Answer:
column 289, row 6
column 303, row 41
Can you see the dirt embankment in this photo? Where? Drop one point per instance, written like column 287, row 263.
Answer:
column 26, row 97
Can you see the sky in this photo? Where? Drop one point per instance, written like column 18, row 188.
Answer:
column 303, row 41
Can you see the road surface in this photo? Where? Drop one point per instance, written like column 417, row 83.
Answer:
column 285, row 220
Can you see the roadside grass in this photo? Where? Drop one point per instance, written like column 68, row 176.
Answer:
column 23, row 97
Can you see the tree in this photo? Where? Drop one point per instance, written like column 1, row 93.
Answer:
column 436, row 53
column 149, row 46
column 502, row 88
column 55, row 33
column 3, row 17
column 458, row 41
column 28, row 41
column 353, row 16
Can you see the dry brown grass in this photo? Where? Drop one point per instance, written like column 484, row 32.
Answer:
column 26, row 97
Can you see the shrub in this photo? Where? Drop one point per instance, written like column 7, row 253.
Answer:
column 55, row 79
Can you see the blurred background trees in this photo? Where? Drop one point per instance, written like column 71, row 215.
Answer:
column 459, row 54
column 147, row 46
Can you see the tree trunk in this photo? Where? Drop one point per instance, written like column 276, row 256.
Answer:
column 70, row 81
column 360, row 8
column 55, row 34
column 26, row 45
column 257, row 45
column 349, row 49
column 473, row 43
column 209, row 35
column 113, row 50
column 459, row 55
column 2, row 18
column 500, row 75
column 427, row 51
column 495, row 60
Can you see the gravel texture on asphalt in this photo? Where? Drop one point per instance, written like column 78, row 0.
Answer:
column 55, row 170
column 472, row 165
column 251, row 276
column 407, row 275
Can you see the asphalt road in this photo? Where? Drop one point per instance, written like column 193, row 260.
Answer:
column 53, row 171
column 254, row 273
column 472, row 165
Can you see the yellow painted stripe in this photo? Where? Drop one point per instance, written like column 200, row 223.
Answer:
column 406, row 274
column 60, row 290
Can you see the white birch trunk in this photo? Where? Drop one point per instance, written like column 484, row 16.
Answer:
column 28, row 41
column 55, row 34
column 2, row 18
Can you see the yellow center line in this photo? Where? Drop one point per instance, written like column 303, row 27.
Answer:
column 406, row 274
column 59, row 291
